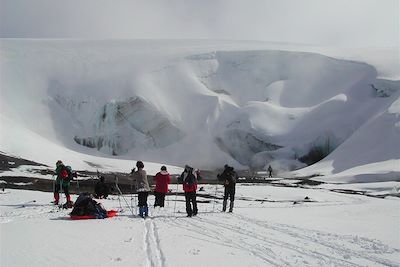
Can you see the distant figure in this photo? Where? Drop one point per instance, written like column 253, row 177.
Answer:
column 269, row 171
column 228, row 177
column 189, row 180
column 162, row 179
column 101, row 189
column 143, row 189
column 64, row 176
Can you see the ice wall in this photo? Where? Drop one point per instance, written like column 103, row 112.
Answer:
column 205, row 105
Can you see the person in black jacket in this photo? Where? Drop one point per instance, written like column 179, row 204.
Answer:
column 269, row 171
column 228, row 177
column 189, row 181
column 101, row 189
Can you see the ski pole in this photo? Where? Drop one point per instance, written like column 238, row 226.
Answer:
column 120, row 192
column 120, row 205
column 61, row 193
column 136, row 203
column 215, row 196
column 167, row 198
column 176, row 195
column 77, row 183
column 54, row 183
column 131, row 194
column 119, row 195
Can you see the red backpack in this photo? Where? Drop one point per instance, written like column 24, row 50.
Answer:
column 64, row 174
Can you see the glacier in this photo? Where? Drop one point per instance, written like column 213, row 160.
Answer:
column 200, row 103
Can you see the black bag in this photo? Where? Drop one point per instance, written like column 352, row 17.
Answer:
column 86, row 205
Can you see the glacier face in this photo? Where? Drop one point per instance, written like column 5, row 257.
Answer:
column 124, row 125
column 205, row 106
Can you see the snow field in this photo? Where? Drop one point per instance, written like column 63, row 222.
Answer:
column 332, row 230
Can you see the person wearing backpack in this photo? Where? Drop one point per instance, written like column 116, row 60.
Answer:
column 101, row 189
column 64, row 176
column 162, row 180
column 189, row 180
column 142, row 187
column 228, row 177
column 270, row 171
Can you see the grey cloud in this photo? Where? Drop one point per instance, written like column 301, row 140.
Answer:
column 339, row 22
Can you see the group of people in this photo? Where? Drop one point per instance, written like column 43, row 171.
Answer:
column 189, row 179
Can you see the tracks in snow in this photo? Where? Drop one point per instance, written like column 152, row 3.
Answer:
column 151, row 239
column 288, row 245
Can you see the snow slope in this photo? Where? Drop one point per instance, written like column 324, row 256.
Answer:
column 205, row 103
column 332, row 230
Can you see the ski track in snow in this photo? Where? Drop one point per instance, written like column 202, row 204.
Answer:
column 267, row 242
column 329, row 241
column 271, row 243
column 155, row 256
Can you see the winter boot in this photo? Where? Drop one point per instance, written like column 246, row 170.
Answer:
column 56, row 198
column 69, row 203
column 141, row 212
column 231, row 206
column 224, row 205
column 146, row 211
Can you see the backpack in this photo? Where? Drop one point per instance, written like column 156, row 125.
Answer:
column 69, row 172
column 190, row 179
column 86, row 205
column 232, row 177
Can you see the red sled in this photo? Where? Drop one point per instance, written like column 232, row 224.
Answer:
column 110, row 213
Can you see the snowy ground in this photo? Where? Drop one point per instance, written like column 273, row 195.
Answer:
column 266, row 229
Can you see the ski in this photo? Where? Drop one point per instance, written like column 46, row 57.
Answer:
column 23, row 205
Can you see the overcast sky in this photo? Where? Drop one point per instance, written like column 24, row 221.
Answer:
column 326, row 22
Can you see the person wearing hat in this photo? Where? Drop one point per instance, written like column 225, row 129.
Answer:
column 228, row 177
column 142, row 188
column 62, row 181
column 162, row 180
column 189, row 180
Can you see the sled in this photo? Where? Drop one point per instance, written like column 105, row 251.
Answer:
column 110, row 213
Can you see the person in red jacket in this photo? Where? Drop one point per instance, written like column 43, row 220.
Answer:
column 64, row 177
column 189, row 180
column 162, row 180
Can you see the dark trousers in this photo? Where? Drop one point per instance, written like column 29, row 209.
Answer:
column 142, row 198
column 229, row 193
column 57, row 188
column 65, row 188
column 191, row 200
column 159, row 199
